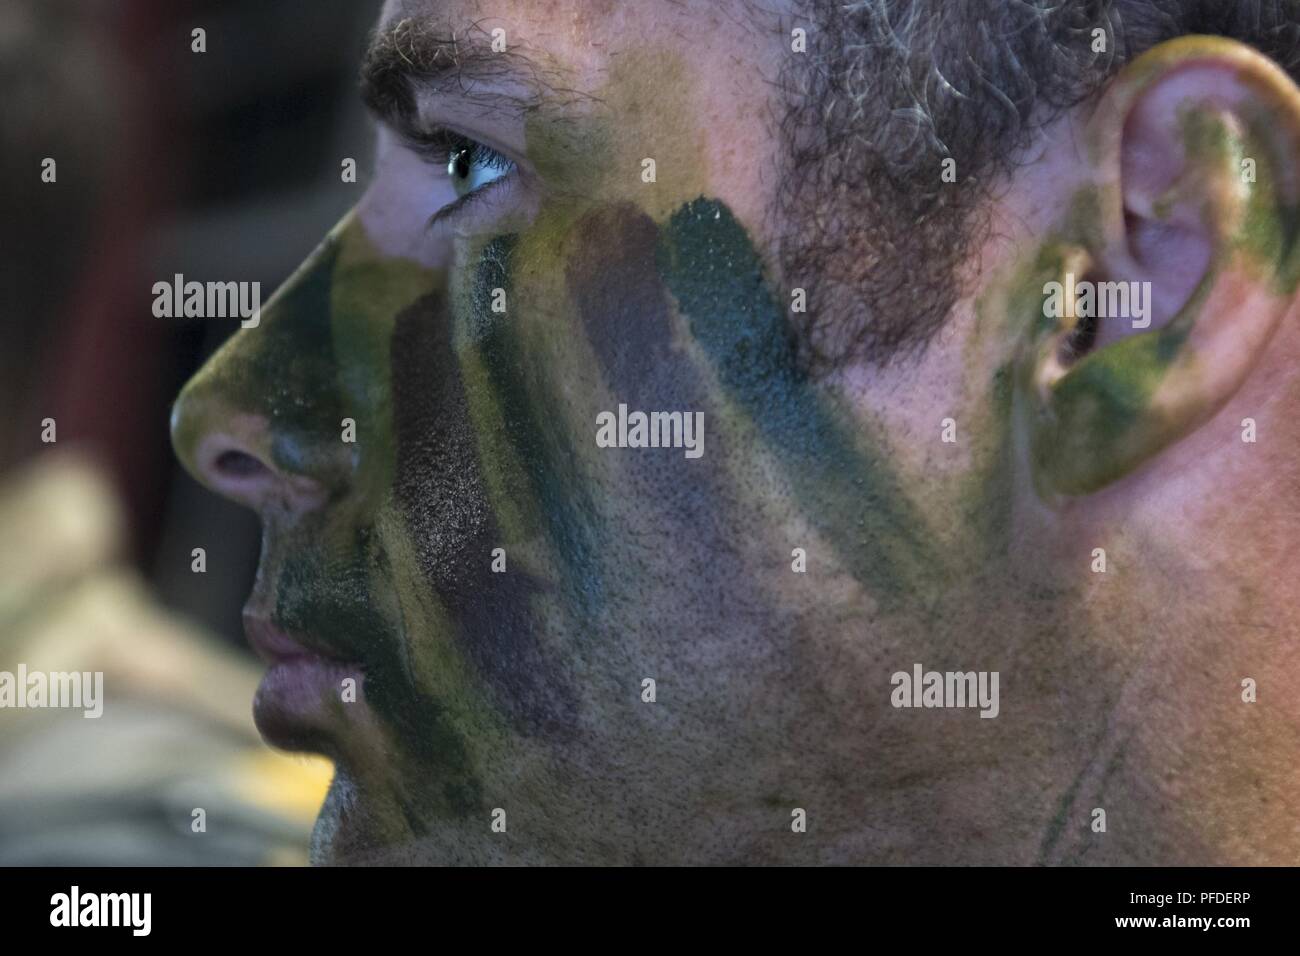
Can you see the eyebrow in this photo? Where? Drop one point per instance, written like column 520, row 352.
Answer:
column 412, row 55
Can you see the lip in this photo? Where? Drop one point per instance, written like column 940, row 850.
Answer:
column 299, row 701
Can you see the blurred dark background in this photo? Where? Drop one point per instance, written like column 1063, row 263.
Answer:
column 221, row 165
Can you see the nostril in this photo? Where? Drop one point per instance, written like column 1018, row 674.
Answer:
column 238, row 464
column 236, row 461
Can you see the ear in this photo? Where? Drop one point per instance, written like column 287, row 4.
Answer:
column 1168, row 300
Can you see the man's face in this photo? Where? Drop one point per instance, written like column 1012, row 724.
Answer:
column 513, row 678
column 477, row 591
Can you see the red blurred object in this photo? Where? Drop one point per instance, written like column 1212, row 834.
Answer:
column 104, row 373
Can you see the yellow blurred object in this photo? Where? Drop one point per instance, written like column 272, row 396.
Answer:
column 292, row 784
column 173, row 771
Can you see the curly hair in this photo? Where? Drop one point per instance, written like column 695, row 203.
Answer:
column 889, row 89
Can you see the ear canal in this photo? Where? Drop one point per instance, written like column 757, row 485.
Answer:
column 1057, row 349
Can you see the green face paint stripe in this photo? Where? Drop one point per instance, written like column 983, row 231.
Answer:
column 527, row 411
column 438, row 667
column 367, row 293
column 985, row 492
column 503, row 473
column 508, row 483
column 333, row 602
column 571, row 345
column 709, row 265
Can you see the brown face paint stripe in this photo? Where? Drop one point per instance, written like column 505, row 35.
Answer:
column 626, row 316
column 625, row 311
column 440, row 490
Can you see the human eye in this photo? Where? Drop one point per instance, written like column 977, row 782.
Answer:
column 473, row 168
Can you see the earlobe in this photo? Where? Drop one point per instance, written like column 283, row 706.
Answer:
column 1171, row 301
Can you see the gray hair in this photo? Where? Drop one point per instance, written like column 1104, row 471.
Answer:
column 891, row 88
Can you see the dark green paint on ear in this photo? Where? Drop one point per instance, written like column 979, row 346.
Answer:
column 1100, row 423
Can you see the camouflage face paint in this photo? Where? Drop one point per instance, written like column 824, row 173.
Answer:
column 521, row 689
column 476, row 431
column 716, row 276
column 443, row 498
column 330, row 347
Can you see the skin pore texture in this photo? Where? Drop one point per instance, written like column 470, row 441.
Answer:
column 475, row 430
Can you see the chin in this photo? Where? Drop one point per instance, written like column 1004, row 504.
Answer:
column 352, row 830
column 344, row 834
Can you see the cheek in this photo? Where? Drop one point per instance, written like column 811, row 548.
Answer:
column 584, row 327
column 570, row 321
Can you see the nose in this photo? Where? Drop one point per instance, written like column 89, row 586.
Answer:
column 259, row 423
column 232, row 451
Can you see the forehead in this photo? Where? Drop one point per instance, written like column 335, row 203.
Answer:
column 575, row 24
column 581, row 37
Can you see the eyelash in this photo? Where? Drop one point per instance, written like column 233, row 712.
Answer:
column 438, row 145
